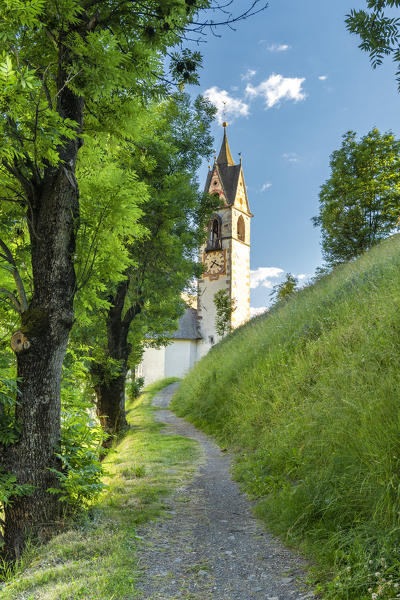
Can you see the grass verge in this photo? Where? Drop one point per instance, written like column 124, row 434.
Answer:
column 308, row 398
column 97, row 559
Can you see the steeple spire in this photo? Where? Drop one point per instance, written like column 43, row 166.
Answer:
column 225, row 156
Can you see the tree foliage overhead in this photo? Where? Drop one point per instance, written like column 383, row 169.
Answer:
column 72, row 73
column 141, row 300
column 360, row 202
column 379, row 32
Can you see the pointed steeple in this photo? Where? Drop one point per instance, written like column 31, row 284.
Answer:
column 225, row 156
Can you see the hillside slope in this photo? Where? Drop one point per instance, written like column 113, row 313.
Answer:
column 308, row 398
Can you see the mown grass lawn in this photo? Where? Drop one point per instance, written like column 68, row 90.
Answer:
column 97, row 559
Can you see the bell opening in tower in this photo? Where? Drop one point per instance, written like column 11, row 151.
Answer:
column 214, row 238
column 241, row 229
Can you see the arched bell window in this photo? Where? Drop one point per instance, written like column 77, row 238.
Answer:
column 214, row 237
column 215, row 230
column 241, row 229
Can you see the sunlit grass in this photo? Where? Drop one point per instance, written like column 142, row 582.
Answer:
column 97, row 560
column 308, row 397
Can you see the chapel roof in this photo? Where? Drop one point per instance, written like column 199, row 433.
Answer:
column 187, row 326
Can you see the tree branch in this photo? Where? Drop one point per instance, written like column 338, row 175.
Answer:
column 13, row 299
column 249, row 12
column 16, row 172
column 131, row 313
column 8, row 257
column 84, row 275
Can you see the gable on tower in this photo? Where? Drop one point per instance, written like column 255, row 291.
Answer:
column 241, row 201
column 227, row 180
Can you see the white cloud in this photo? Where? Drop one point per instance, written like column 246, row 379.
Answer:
column 266, row 186
column 291, row 157
column 259, row 310
column 323, row 77
column 227, row 106
column 248, row 75
column 262, row 275
column 302, row 276
column 277, row 88
column 278, row 47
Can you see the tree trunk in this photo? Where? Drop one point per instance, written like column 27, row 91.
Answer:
column 110, row 404
column 110, row 393
column 53, row 220
column 38, row 414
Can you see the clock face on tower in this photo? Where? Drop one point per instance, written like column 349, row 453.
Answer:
column 214, row 263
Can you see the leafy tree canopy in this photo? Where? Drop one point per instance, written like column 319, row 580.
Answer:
column 360, row 202
column 142, row 221
column 74, row 73
column 286, row 288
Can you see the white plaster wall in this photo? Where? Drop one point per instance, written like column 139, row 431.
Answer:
column 178, row 358
column 207, row 314
column 174, row 360
column 152, row 367
column 193, row 352
column 240, row 281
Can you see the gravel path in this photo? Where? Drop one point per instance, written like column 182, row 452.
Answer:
column 211, row 547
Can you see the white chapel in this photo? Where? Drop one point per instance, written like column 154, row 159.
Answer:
column 226, row 260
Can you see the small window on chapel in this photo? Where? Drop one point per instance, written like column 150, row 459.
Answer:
column 241, row 229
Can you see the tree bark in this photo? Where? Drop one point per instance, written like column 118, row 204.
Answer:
column 53, row 220
column 110, row 392
column 110, row 405
column 38, row 414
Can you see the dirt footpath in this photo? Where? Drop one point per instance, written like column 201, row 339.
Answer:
column 211, row 547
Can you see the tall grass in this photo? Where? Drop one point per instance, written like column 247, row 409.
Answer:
column 308, row 397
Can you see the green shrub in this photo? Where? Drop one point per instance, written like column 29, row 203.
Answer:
column 81, row 472
column 9, row 486
column 135, row 387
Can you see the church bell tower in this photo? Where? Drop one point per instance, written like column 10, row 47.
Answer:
column 226, row 253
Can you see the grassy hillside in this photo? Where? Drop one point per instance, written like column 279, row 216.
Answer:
column 308, row 397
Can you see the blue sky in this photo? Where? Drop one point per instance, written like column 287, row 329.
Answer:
column 294, row 81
